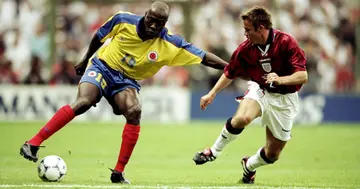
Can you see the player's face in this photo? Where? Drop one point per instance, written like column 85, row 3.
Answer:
column 254, row 35
column 154, row 22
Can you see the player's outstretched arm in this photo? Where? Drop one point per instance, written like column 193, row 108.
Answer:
column 220, row 84
column 95, row 44
column 213, row 61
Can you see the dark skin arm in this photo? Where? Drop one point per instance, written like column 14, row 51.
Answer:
column 213, row 61
column 95, row 44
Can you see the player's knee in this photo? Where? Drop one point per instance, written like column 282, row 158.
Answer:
column 133, row 114
column 81, row 105
column 240, row 121
column 117, row 112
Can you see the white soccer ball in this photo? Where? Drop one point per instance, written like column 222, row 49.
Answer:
column 52, row 169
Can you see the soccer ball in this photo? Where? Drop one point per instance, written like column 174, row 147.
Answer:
column 52, row 169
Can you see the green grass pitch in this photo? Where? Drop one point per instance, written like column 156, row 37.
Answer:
column 325, row 156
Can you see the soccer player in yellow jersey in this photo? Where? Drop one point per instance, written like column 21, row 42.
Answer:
column 139, row 47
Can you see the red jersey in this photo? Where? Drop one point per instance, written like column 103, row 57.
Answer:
column 281, row 55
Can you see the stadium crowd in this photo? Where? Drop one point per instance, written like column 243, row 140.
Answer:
column 325, row 29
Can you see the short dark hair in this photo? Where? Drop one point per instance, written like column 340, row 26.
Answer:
column 258, row 16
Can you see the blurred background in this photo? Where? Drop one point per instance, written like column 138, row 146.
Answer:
column 41, row 41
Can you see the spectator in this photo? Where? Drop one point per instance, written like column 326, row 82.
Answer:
column 34, row 76
column 40, row 43
column 2, row 47
column 17, row 51
column 64, row 73
column 7, row 75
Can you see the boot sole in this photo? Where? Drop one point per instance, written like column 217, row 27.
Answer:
column 27, row 157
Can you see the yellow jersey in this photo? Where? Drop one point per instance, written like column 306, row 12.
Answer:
column 138, row 59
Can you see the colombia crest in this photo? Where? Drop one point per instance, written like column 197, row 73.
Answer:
column 152, row 56
column 92, row 74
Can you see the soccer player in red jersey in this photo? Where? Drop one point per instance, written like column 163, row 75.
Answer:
column 139, row 47
column 275, row 66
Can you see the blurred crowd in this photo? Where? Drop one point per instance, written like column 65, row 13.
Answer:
column 325, row 29
column 25, row 46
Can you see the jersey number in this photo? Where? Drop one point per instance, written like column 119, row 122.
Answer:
column 130, row 61
column 99, row 78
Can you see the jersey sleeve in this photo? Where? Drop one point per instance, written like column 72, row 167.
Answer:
column 110, row 28
column 187, row 53
column 235, row 69
column 296, row 56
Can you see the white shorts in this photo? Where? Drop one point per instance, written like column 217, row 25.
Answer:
column 277, row 110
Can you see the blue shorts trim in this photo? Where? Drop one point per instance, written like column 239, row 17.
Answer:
column 109, row 81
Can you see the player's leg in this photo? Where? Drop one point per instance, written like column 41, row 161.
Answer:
column 251, row 106
column 248, row 110
column 88, row 95
column 264, row 156
column 273, row 147
column 278, row 120
column 127, row 102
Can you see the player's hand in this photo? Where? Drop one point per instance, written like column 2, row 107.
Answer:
column 273, row 78
column 206, row 100
column 80, row 67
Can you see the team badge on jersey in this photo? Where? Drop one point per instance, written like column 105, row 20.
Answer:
column 266, row 67
column 265, row 64
column 92, row 74
column 152, row 56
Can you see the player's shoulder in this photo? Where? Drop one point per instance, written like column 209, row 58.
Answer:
column 126, row 17
column 284, row 37
column 244, row 46
column 175, row 39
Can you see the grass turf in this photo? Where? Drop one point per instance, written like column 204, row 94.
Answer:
column 325, row 156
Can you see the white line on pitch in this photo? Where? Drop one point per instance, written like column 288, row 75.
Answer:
column 144, row 186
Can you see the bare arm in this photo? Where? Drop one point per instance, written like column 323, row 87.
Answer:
column 95, row 44
column 222, row 83
column 106, row 31
column 213, row 61
column 297, row 78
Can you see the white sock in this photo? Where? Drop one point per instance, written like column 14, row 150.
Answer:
column 255, row 161
column 223, row 140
